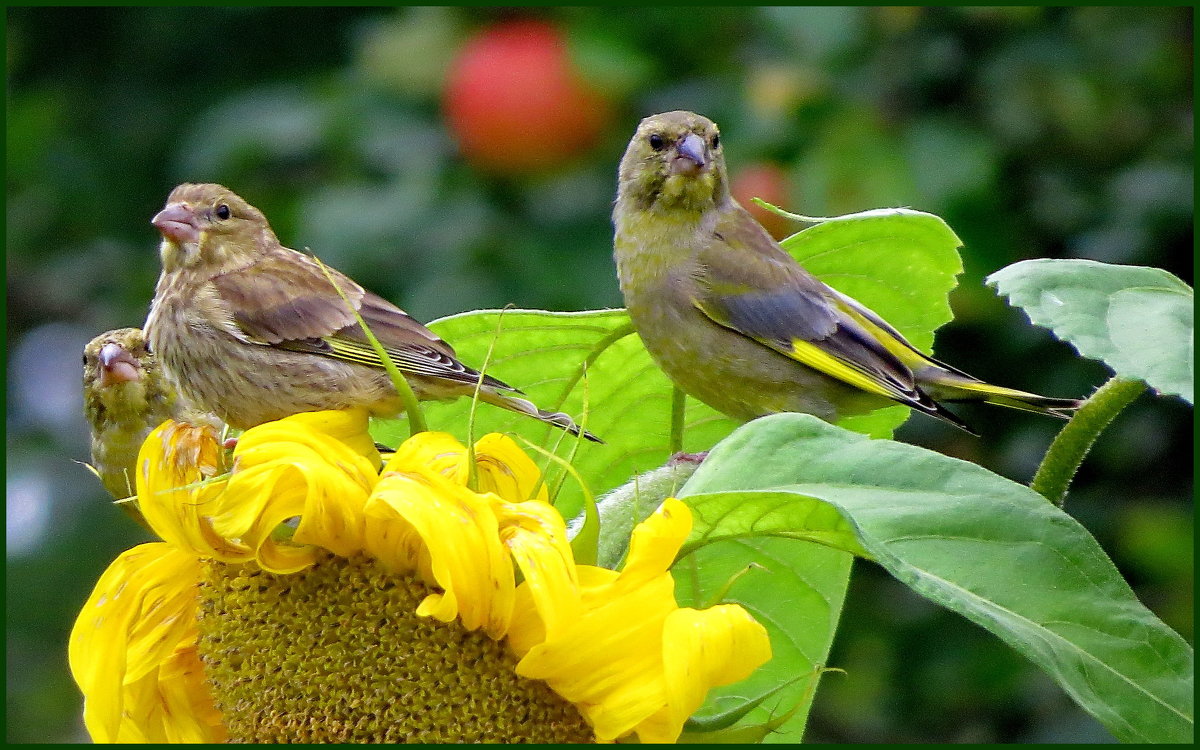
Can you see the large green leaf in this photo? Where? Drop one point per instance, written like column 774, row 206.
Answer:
column 1138, row 320
column 983, row 546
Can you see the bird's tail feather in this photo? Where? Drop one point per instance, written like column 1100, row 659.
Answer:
column 523, row 406
column 949, row 386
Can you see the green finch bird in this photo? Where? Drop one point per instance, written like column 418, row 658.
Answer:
column 254, row 331
column 735, row 321
column 125, row 396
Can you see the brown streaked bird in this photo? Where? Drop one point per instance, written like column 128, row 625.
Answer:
column 255, row 331
column 736, row 322
column 125, row 396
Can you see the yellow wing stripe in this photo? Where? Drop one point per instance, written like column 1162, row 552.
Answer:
column 415, row 363
column 813, row 356
column 809, row 354
column 904, row 352
column 361, row 353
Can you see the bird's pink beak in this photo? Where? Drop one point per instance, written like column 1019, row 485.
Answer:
column 691, row 157
column 178, row 223
column 117, row 365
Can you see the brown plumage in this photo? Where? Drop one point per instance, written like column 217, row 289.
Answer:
column 254, row 331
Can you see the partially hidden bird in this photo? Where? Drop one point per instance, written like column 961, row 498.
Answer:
column 736, row 322
column 125, row 396
column 255, row 331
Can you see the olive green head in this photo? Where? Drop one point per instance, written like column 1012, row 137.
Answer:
column 209, row 226
column 115, row 357
column 121, row 381
column 674, row 162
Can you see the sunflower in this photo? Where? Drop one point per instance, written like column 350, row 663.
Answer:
column 307, row 596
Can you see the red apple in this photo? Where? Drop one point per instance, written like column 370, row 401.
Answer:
column 515, row 102
column 768, row 182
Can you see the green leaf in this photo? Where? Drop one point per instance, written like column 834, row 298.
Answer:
column 745, row 514
column 796, row 592
column 719, row 728
column 1140, row 321
column 987, row 548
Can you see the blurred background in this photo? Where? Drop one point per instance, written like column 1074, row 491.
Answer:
column 462, row 158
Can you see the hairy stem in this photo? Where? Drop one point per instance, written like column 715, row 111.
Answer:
column 1067, row 451
column 678, row 402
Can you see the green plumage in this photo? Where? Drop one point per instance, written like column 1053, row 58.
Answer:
column 735, row 321
column 124, row 398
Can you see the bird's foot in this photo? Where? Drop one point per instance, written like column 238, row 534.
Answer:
column 687, row 458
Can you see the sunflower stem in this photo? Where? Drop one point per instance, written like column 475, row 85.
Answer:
column 789, row 215
column 585, row 545
column 718, row 596
column 416, row 420
column 1070, row 446
column 472, row 469
column 598, row 348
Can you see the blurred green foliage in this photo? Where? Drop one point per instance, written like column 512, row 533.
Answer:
column 1034, row 132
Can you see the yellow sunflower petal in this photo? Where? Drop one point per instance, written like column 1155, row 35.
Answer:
column 706, row 648
column 340, row 436
column 395, row 543
column 140, row 616
column 172, row 704
column 256, row 502
column 655, row 542
column 506, row 470
column 460, row 531
column 608, row 643
column 535, row 534
column 422, row 517
column 347, row 426
column 186, row 701
column 176, row 496
column 609, row 660
column 438, row 452
column 317, row 466
column 501, row 466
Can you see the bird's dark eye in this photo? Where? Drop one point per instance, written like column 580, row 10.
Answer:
column 657, row 142
column 222, row 212
column 716, row 140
